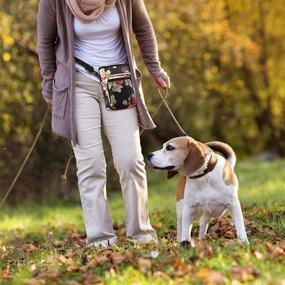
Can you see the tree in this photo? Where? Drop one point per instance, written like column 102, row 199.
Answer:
column 226, row 62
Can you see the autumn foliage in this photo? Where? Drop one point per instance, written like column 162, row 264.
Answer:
column 226, row 62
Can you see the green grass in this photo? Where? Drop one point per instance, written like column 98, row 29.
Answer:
column 44, row 244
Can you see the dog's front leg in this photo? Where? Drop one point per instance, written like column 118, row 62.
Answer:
column 237, row 216
column 179, row 211
column 188, row 216
column 180, row 188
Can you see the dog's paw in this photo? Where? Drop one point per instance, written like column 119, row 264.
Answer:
column 243, row 241
column 187, row 244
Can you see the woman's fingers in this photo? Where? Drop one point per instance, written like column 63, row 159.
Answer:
column 163, row 82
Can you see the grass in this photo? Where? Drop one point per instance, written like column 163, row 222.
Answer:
column 44, row 244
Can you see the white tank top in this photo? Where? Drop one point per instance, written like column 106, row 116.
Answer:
column 100, row 42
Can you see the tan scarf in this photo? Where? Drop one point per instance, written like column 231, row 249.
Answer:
column 87, row 11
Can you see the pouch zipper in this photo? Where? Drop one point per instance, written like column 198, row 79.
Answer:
column 119, row 76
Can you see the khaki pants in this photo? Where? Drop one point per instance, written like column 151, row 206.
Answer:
column 122, row 130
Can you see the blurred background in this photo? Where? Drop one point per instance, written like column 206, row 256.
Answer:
column 226, row 61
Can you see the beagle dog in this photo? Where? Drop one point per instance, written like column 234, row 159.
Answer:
column 208, row 184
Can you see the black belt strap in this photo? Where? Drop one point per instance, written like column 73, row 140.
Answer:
column 87, row 66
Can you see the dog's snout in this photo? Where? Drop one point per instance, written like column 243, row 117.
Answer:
column 149, row 156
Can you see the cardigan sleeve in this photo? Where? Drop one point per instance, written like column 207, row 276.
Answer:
column 146, row 38
column 46, row 38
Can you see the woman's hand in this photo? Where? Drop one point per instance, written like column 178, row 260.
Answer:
column 163, row 81
column 49, row 101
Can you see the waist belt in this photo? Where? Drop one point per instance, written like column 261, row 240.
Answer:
column 87, row 66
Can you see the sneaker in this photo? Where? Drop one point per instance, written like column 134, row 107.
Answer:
column 104, row 243
column 144, row 239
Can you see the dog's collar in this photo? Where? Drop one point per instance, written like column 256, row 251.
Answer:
column 209, row 166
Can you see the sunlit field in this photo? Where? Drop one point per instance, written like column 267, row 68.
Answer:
column 44, row 244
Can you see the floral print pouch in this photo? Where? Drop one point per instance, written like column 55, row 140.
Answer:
column 117, row 87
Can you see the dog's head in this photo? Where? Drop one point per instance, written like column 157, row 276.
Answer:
column 181, row 154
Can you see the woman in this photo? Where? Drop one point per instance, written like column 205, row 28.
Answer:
column 99, row 33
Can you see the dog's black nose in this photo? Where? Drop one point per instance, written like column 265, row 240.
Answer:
column 149, row 156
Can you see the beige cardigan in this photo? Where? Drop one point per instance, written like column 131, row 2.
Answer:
column 56, row 56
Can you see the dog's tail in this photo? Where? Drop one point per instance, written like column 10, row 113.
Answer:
column 225, row 150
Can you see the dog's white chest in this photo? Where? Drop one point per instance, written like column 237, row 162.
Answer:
column 208, row 200
column 209, row 195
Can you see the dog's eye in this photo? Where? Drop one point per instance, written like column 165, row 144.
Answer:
column 170, row 147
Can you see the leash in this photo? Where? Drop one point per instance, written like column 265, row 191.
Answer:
column 64, row 176
column 26, row 158
column 159, row 106
column 169, row 110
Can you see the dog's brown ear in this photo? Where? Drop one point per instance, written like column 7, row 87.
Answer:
column 170, row 173
column 195, row 158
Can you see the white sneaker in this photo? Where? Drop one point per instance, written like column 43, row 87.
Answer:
column 104, row 243
column 147, row 238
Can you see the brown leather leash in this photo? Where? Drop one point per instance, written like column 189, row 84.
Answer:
column 169, row 110
column 64, row 176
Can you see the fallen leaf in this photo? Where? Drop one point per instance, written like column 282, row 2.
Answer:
column 117, row 258
column 33, row 267
column 5, row 273
column 258, row 254
column 276, row 250
column 211, row 276
column 72, row 282
column 53, row 273
column 245, row 273
column 61, row 259
column 215, row 277
column 158, row 225
column 34, row 281
column 72, row 268
column 98, row 260
column 158, row 274
column 30, row 248
column 203, row 272
column 270, row 232
column 182, row 268
column 144, row 265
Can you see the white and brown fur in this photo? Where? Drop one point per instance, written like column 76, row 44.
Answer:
column 210, row 194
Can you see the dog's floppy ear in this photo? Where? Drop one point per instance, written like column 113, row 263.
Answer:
column 195, row 158
column 171, row 173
